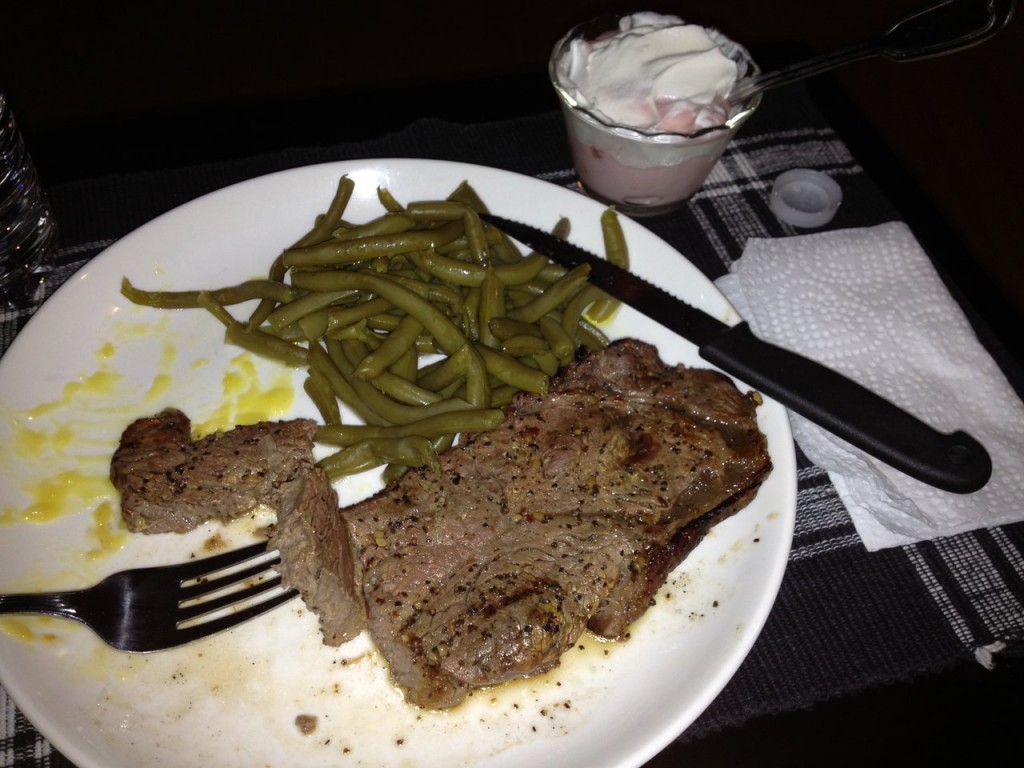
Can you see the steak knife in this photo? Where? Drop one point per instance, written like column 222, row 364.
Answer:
column 953, row 462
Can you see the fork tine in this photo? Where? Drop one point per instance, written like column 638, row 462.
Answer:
column 193, row 610
column 197, row 568
column 205, row 629
column 205, row 586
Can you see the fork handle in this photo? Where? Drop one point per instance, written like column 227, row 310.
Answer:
column 60, row 604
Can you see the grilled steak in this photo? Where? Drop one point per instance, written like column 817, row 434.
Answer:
column 568, row 517
column 317, row 559
column 168, row 482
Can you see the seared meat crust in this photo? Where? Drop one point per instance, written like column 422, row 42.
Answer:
column 168, row 482
column 567, row 517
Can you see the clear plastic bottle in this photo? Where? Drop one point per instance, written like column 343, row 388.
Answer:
column 27, row 229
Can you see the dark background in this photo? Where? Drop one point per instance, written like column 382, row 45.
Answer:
column 105, row 86
column 101, row 87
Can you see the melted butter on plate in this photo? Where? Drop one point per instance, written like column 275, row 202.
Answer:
column 247, row 398
column 57, row 452
column 60, row 449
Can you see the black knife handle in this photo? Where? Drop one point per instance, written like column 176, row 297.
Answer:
column 955, row 462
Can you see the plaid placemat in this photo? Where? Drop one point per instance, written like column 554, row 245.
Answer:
column 845, row 620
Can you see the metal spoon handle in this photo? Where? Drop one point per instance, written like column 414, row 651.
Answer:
column 748, row 86
column 942, row 27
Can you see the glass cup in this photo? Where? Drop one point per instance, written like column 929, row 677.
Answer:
column 643, row 174
column 27, row 229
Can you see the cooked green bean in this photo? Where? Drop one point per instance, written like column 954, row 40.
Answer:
column 322, row 228
column 411, row 451
column 572, row 314
column 444, row 372
column 502, row 396
column 436, row 210
column 478, row 386
column 342, row 317
column 388, row 200
column 234, row 294
column 206, row 301
column 430, row 427
column 385, row 321
column 386, row 407
column 449, row 269
column 392, row 472
column 404, row 390
column 277, row 273
column 320, row 360
column 550, row 273
column 561, row 291
column 266, row 345
column 293, row 332
column 313, row 325
column 388, row 224
column 465, row 193
column 491, row 307
column 451, row 210
column 562, row 228
column 290, row 312
column 442, row 443
column 471, row 274
column 447, row 334
column 360, row 304
column 520, row 346
column 469, row 318
column 509, row 370
column 355, row 332
column 434, row 293
column 479, row 248
column 558, row 340
column 334, row 253
column 506, row 327
column 407, row 365
column 460, row 245
column 323, row 397
column 616, row 252
column 546, row 362
column 589, row 336
column 398, row 342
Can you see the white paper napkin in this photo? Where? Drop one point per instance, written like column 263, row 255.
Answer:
column 868, row 303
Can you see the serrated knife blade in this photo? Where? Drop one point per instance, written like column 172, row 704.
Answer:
column 953, row 462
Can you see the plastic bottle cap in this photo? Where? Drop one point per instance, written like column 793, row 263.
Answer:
column 805, row 198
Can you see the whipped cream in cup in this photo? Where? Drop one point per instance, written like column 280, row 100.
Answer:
column 644, row 100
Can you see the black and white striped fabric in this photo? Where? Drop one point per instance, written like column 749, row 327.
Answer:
column 845, row 619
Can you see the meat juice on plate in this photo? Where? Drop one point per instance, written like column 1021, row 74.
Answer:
column 644, row 98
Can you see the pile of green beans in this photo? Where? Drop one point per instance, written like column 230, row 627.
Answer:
column 424, row 321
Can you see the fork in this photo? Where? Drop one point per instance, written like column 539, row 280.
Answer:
column 155, row 608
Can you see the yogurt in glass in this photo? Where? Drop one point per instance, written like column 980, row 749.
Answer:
column 644, row 98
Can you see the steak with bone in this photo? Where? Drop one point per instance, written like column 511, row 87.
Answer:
column 566, row 518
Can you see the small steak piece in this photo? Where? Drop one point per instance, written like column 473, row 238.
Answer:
column 568, row 517
column 168, row 482
column 316, row 558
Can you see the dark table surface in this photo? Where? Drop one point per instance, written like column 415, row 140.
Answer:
column 858, row 642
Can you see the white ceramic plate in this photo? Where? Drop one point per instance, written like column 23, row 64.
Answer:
column 89, row 362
